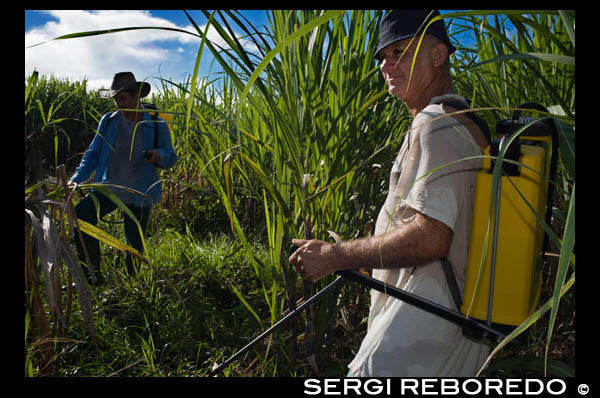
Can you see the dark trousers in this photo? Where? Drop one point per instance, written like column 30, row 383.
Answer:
column 86, row 210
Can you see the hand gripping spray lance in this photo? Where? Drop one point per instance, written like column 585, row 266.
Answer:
column 372, row 283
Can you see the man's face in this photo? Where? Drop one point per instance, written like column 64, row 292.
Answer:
column 395, row 66
column 125, row 100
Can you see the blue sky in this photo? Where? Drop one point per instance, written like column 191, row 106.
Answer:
column 146, row 53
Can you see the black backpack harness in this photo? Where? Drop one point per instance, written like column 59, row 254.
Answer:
column 153, row 116
column 446, row 265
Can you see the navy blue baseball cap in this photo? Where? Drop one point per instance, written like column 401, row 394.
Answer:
column 403, row 24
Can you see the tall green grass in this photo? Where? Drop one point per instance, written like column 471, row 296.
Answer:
column 60, row 119
column 299, row 138
column 309, row 87
column 300, row 135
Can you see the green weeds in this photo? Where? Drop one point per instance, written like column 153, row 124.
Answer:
column 294, row 141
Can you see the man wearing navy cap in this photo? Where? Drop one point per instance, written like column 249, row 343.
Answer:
column 425, row 218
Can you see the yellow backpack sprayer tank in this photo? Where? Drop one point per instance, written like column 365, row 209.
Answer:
column 503, row 278
column 167, row 117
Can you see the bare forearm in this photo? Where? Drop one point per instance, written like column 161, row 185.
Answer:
column 421, row 240
column 415, row 243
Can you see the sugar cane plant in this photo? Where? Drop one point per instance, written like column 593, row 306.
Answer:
column 300, row 131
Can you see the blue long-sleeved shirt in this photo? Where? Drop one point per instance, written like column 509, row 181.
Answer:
column 98, row 155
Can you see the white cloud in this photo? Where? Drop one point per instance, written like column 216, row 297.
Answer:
column 98, row 58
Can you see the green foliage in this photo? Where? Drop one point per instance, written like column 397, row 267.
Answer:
column 61, row 117
column 306, row 133
column 290, row 142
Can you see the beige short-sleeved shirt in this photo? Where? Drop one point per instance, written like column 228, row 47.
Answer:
column 403, row 340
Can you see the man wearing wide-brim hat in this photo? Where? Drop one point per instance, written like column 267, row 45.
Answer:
column 124, row 154
column 426, row 216
column 124, row 81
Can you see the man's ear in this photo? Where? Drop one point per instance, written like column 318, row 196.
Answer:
column 440, row 54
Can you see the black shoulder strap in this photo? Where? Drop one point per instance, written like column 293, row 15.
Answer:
column 155, row 118
column 451, row 280
column 471, row 115
column 446, row 265
column 151, row 108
